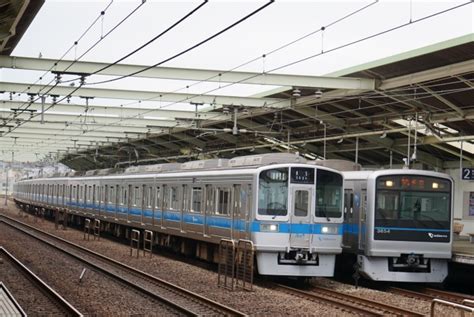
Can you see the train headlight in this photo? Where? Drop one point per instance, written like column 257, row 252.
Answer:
column 329, row 229
column 268, row 227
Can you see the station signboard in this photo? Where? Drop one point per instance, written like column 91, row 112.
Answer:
column 467, row 173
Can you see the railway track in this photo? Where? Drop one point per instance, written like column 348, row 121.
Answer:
column 430, row 294
column 183, row 301
column 48, row 302
column 347, row 302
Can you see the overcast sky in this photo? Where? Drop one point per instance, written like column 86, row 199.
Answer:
column 60, row 23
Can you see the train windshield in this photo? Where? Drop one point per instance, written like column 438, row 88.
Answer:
column 273, row 192
column 413, row 201
column 328, row 194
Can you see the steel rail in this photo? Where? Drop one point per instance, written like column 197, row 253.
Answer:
column 430, row 294
column 355, row 301
column 451, row 296
column 350, row 307
column 213, row 305
column 386, row 308
column 65, row 306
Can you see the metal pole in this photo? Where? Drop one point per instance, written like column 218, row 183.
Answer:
column 408, row 147
column 391, row 158
column 324, row 145
column 5, row 170
column 288, row 139
column 357, row 150
column 460, row 158
column 42, row 109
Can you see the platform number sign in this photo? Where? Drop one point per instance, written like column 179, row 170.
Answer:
column 467, row 173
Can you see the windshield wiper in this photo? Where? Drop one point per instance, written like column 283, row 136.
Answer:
column 323, row 211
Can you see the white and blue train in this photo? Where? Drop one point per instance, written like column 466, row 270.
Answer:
column 398, row 224
column 292, row 211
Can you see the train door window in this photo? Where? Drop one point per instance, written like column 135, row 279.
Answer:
column 244, row 201
column 90, row 195
column 196, row 199
column 149, row 197
column 124, row 196
column 136, row 196
column 103, row 192
column 81, row 193
column 185, row 198
column 117, row 192
column 174, row 194
column 63, row 193
column 157, row 197
column 95, row 195
column 110, row 194
column 237, row 208
column 144, row 202
column 348, row 203
column 301, row 203
column 209, row 198
column 166, row 197
column 222, row 201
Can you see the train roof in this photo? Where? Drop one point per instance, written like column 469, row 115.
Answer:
column 241, row 165
column 360, row 175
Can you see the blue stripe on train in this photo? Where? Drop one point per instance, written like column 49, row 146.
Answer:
column 213, row 221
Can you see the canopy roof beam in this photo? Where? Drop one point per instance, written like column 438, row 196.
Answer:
column 208, row 75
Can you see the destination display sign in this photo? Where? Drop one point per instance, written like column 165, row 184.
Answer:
column 302, row 175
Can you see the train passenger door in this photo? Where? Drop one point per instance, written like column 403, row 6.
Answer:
column 208, row 208
column 348, row 218
column 362, row 218
column 300, row 214
column 240, row 216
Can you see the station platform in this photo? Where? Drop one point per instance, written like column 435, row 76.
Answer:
column 463, row 250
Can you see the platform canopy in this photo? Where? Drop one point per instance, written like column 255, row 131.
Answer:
column 415, row 105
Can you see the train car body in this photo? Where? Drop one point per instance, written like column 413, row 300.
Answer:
column 290, row 210
column 398, row 224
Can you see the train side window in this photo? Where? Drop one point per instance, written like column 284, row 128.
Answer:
column 223, row 201
column 196, row 199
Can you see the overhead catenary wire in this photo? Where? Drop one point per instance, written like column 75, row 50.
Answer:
column 326, row 51
column 271, row 52
column 67, row 52
column 185, row 51
column 189, row 48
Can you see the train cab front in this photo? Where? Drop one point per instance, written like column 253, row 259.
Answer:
column 409, row 238
column 298, row 227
